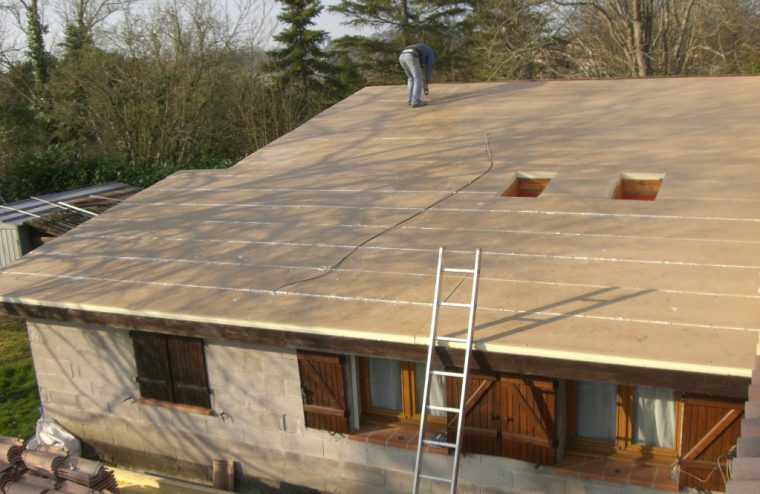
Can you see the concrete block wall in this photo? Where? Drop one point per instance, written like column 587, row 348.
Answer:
column 86, row 380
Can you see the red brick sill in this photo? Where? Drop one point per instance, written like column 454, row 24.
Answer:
column 620, row 472
column 175, row 406
column 404, row 436
column 397, row 435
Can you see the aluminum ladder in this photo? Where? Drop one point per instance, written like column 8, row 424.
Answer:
column 433, row 342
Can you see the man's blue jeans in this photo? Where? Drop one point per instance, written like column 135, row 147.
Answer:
column 411, row 65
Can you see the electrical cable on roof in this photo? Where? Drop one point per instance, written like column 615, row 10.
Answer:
column 489, row 155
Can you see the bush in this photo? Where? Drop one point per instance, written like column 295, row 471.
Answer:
column 57, row 170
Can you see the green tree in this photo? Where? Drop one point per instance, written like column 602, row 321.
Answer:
column 443, row 24
column 37, row 52
column 301, row 60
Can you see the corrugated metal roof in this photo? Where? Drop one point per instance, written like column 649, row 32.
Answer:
column 39, row 208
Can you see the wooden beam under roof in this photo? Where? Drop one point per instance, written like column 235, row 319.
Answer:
column 684, row 381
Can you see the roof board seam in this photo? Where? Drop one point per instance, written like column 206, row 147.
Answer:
column 417, row 249
column 348, row 191
column 434, row 228
column 660, row 197
column 370, row 271
column 620, row 319
column 399, row 208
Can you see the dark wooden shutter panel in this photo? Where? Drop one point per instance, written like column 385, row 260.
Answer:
column 152, row 361
column 528, row 419
column 323, row 391
column 188, row 366
column 481, row 419
column 710, row 428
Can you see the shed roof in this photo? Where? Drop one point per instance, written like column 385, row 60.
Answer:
column 19, row 212
column 376, row 188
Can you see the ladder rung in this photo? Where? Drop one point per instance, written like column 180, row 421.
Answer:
column 447, row 373
column 430, row 442
column 434, row 478
column 455, row 304
column 451, row 338
column 458, row 270
column 443, row 409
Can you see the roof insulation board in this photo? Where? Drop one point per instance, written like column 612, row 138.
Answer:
column 334, row 228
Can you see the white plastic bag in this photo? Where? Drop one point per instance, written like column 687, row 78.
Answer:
column 51, row 433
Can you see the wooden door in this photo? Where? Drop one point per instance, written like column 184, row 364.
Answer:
column 481, row 419
column 710, row 428
column 323, row 391
column 527, row 419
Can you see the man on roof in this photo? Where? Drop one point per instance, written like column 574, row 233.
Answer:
column 412, row 59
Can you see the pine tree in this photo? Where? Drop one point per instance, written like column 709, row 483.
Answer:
column 37, row 54
column 442, row 24
column 301, row 60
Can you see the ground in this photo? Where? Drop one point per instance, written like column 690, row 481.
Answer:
column 19, row 401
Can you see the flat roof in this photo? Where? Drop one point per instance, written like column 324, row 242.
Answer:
column 376, row 187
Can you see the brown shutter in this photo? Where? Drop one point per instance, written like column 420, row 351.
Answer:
column 323, row 391
column 527, row 419
column 188, row 366
column 152, row 361
column 710, row 428
column 481, row 420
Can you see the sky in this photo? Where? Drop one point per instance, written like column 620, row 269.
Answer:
column 331, row 23
column 10, row 36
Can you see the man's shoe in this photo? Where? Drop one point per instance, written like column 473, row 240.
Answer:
column 419, row 103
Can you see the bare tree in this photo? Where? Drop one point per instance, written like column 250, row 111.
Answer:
column 654, row 37
column 163, row 94
column 515, row 39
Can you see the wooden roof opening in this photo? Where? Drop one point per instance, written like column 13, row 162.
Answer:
column 528, row 184
column 638, row 186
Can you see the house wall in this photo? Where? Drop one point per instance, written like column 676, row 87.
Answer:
column 86, row 382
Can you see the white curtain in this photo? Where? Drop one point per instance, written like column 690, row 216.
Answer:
column 437, row 389
column 654, row 417
column 595, row 410
column 385, row 383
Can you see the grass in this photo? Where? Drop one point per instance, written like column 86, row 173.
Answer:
column 19, row 400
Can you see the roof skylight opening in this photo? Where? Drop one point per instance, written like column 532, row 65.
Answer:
column 528, row 184
column 638, row 186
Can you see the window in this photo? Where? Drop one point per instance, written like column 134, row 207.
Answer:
column 528, row 184
column 607, row 418
column 638, row 186
column 171, row 370
column 393, row 389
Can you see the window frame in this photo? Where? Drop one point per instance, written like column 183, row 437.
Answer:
column 173, row 382
column 624, row 444
column 408, row 411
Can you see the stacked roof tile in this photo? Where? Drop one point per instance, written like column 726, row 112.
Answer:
column 11, row 466
column 88, row 473
column 49, row 470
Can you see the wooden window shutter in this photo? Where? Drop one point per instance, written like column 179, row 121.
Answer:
column 188, row 367
column 528, row 419
column 481, row 420
column 152, row 359
column 710, row 428
column 323, row 391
